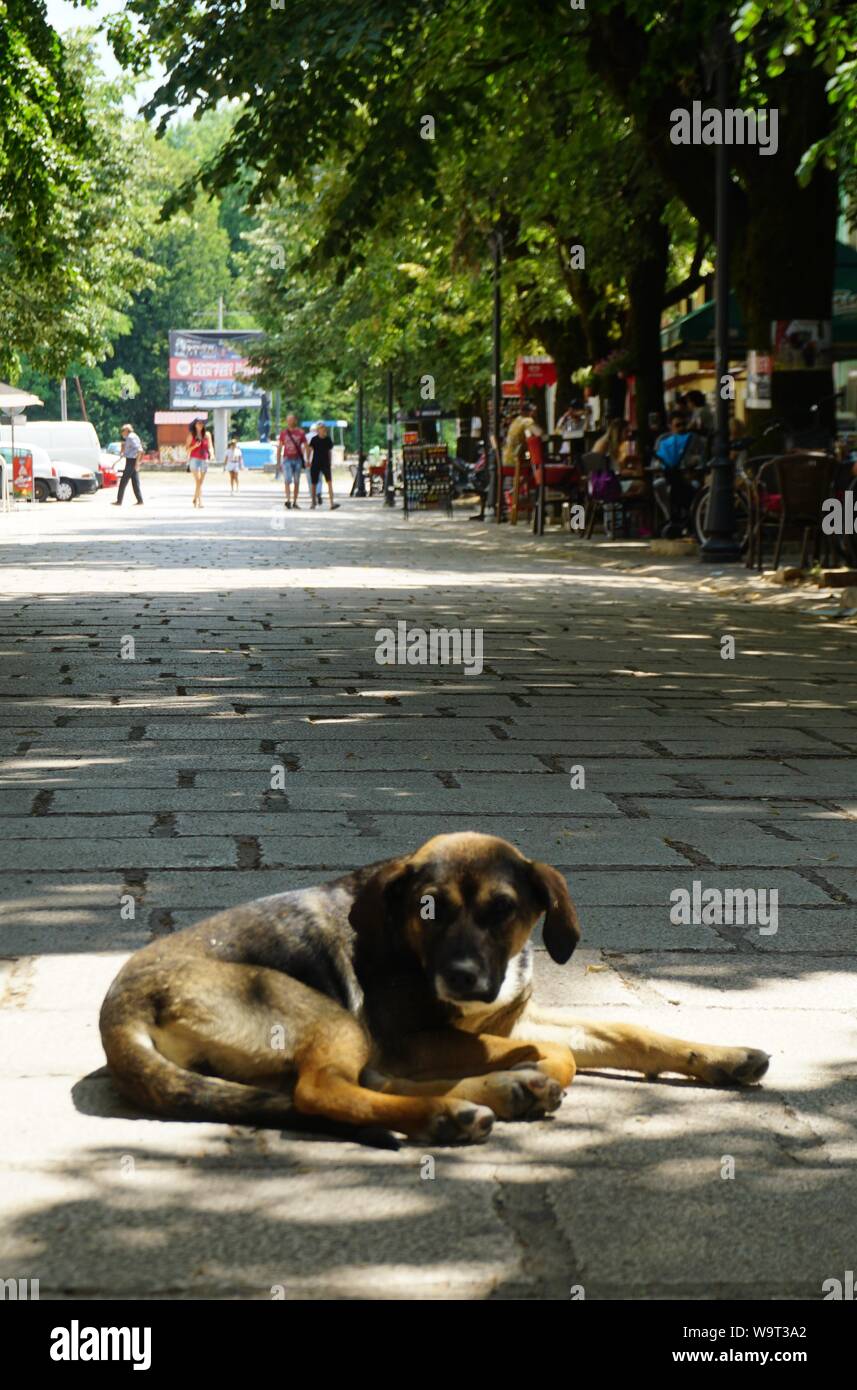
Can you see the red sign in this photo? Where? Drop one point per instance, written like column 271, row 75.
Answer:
column 509, row 388
column 535, row 371
column 22, row 473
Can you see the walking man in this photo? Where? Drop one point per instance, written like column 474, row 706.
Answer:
column 131, row 450
column 321, row 449
column 292, row 451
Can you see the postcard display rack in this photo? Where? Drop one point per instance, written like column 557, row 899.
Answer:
column 427, row 478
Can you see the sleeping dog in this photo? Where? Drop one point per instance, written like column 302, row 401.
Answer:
column 394, row 999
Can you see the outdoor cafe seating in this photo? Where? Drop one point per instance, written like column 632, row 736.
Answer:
column 605, row 499
column 786, row 493
column 542, row 479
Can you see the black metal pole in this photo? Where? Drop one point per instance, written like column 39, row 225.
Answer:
column 361, row 457
column 389, row 481
column 720, row 543
column 496, row 387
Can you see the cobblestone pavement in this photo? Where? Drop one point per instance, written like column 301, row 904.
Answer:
column 144, row 785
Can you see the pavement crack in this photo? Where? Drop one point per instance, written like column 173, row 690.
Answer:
column 365, row 823
column 249, row 852
column 656, row 747
column 42, row 803
column 628, row 806
column 548, row 1265
column 813, row 876
column 161, row 922
column 693, row 856
column 134, row 885
column 775, row 830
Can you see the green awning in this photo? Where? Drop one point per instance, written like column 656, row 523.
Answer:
column 692, row 337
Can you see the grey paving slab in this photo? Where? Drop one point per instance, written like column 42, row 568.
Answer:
column 149, row 853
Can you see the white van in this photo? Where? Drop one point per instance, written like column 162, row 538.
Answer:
column 73, row 479
column 72, row 441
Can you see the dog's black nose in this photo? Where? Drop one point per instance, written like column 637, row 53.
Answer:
column 463, row 977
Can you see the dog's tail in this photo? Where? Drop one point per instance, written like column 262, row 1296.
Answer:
column 161, row 1087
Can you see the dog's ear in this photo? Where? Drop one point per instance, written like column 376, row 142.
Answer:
column 379, row 899
column 562, row 926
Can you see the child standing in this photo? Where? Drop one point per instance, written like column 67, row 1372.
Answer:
column 234, row 463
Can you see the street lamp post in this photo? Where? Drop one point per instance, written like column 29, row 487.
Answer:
column 720, row 543
column 360, row 479
column 389, row 481
column 496, row 394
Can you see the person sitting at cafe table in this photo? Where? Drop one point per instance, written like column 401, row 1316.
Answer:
column 610, row 441
column 628, row 464
column 677, row 456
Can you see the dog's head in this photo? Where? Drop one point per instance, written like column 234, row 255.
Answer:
column 465, row 905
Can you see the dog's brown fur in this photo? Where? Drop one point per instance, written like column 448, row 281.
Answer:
column 396, row 998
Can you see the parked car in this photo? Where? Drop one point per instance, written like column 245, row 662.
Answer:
column 74, row 480
column 44, row 472
column 109, row 468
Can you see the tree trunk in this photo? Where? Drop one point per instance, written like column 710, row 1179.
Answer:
column 646, row 291
column 784, row 257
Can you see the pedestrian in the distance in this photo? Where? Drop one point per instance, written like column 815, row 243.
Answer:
column 292, row 453
column 130, row 451
column 321, row 449
column 234, row 463
column 200, row 450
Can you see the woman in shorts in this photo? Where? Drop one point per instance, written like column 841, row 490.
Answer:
column 234, row 463
column 200, row 450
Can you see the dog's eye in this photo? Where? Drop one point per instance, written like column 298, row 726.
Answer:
column 496, row 911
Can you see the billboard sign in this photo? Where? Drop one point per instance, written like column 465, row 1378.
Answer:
column 208, row 368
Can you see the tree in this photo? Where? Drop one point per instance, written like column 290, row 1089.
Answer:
column 64, row 302
column 43, row 134
column 431, row 109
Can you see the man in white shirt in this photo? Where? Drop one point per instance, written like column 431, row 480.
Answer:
column 131, row 450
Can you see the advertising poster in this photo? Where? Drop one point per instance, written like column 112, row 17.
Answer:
column 22, row 473
column 758, row 381
column 209, row 367
column 801, row 344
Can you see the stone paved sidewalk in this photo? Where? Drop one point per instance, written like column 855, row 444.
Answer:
column 144, row 786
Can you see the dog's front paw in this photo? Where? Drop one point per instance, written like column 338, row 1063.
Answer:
column 458, row 1122
column 737, row 1066
column 525, row 1093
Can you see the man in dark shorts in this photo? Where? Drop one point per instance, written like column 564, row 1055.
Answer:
column 320, row 450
